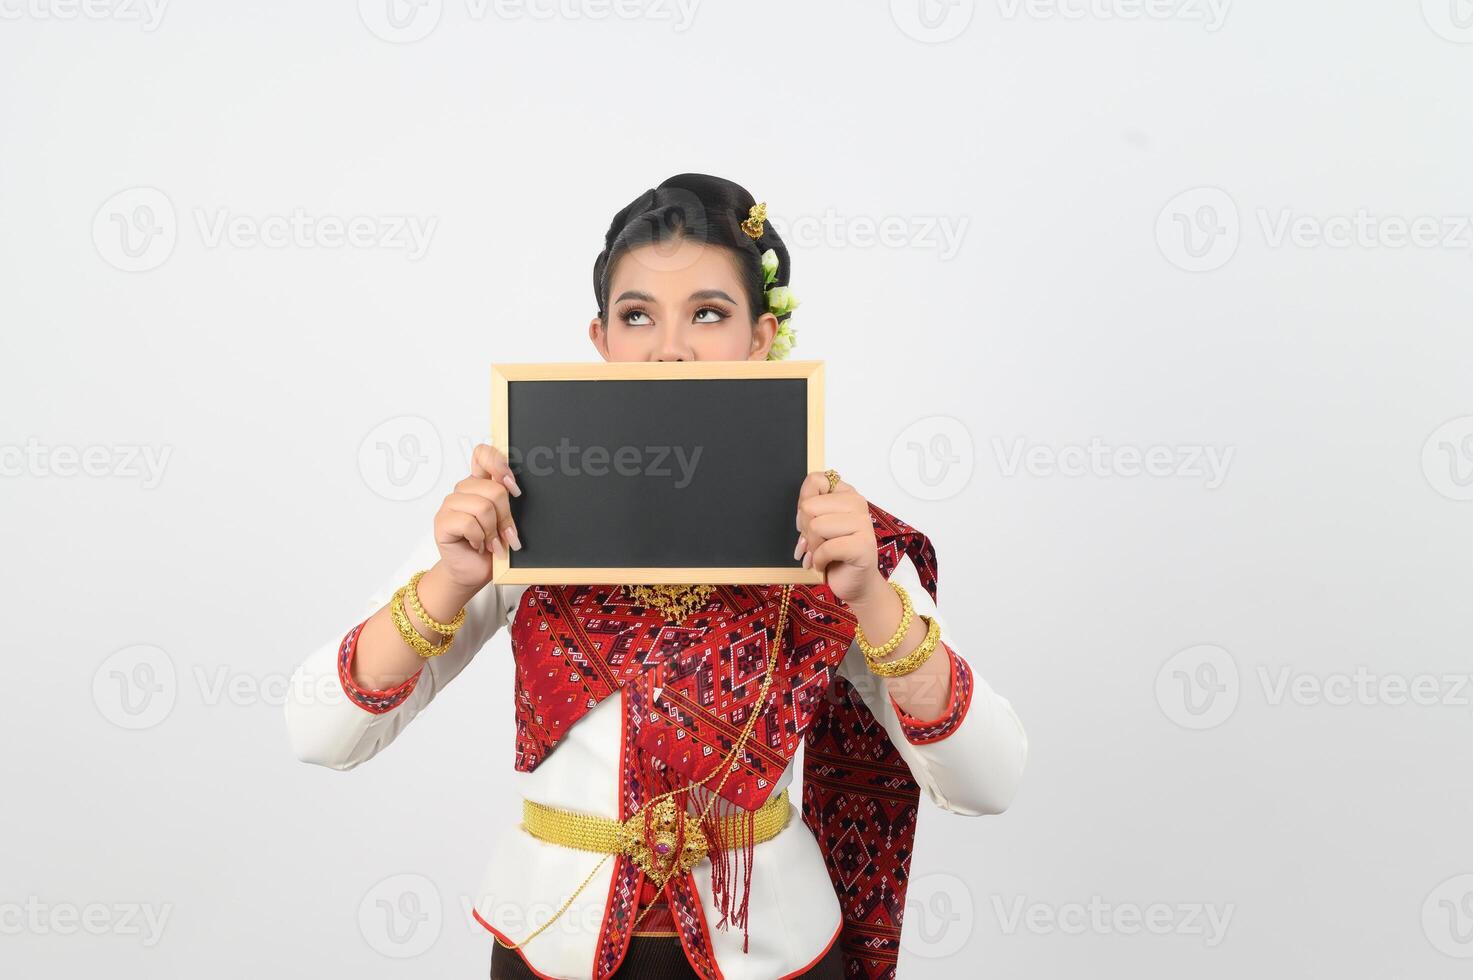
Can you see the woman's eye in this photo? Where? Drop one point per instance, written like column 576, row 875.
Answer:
column 715, row 315
column 636, row 318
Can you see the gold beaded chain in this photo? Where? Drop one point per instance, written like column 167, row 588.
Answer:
column 727, row 766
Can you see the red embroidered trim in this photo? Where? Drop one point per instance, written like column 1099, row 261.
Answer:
column 626, row 883
column 817, row 959
column 374, row 701
column 690, row 921
column 924, row 732
column 645, row 776
column 507, row 941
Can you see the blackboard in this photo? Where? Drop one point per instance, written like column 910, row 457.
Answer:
column 645, row 472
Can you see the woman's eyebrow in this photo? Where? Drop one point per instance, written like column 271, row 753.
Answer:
column 712, row 294
column 634, row 294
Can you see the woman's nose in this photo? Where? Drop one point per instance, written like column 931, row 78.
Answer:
column 672, row 346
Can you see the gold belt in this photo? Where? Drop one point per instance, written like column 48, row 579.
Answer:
column 675, row 842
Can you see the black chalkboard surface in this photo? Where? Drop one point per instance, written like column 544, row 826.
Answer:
column 657, row 472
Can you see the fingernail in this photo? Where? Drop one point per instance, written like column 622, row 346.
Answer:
column 511, row 484
column 798, row 551
column 511, row 537
column 497, row 548
column 807, row 559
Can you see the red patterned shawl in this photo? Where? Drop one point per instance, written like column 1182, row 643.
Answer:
column 689, row 688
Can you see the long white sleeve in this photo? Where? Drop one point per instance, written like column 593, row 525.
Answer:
column 328, row 728
column 971, row 758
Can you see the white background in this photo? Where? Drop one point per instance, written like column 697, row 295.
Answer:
column 1120, row 172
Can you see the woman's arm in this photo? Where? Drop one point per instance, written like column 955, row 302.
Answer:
column 351, row 697
column 963, row 742
column 338, row 717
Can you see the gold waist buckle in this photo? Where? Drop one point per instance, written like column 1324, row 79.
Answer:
column 675, row 843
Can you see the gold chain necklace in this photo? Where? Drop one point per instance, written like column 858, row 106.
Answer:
column 674, row 601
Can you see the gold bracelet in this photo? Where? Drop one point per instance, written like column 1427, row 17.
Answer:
column 907, row 611
column 411, row 635
column 912, row 661
column 444, row 629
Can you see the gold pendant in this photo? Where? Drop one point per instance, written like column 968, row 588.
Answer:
column 675, row 601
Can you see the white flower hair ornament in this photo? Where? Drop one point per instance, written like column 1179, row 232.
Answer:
column 780, row 303
column 780, row 299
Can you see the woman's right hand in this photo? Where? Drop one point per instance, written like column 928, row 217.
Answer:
column 474, row 522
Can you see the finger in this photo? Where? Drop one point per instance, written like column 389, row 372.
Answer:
column 490, row 513
column 813, row 484
column 836, row 550
column 490, row 463
column 452, row 526
column 841, row 501
column 478, row 509
column 496, row 492
column 808, row 542
column 816, row 484
column 484, row 486
column 827, row 528
column 830, row 526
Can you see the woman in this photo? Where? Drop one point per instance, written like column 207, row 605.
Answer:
column 657, row 727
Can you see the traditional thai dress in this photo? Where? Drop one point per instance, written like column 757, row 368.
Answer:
column 614, row 705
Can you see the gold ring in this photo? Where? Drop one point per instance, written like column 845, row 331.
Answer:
column 833, row 476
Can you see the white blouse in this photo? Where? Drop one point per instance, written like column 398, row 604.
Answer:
column 794, row 915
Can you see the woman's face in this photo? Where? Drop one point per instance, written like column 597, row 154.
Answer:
column 680, row 300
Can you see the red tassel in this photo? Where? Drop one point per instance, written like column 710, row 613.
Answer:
column 729, row 859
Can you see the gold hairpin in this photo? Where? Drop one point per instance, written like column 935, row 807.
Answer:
column 753, row 225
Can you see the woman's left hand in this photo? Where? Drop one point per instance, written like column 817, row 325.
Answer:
column 837, row 537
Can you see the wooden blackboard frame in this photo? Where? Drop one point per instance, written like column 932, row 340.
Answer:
column 504, row 572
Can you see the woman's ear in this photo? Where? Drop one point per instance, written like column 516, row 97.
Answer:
column 599, row 338
column 763, row 333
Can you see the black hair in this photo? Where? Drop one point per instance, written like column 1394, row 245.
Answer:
column 700, row 208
